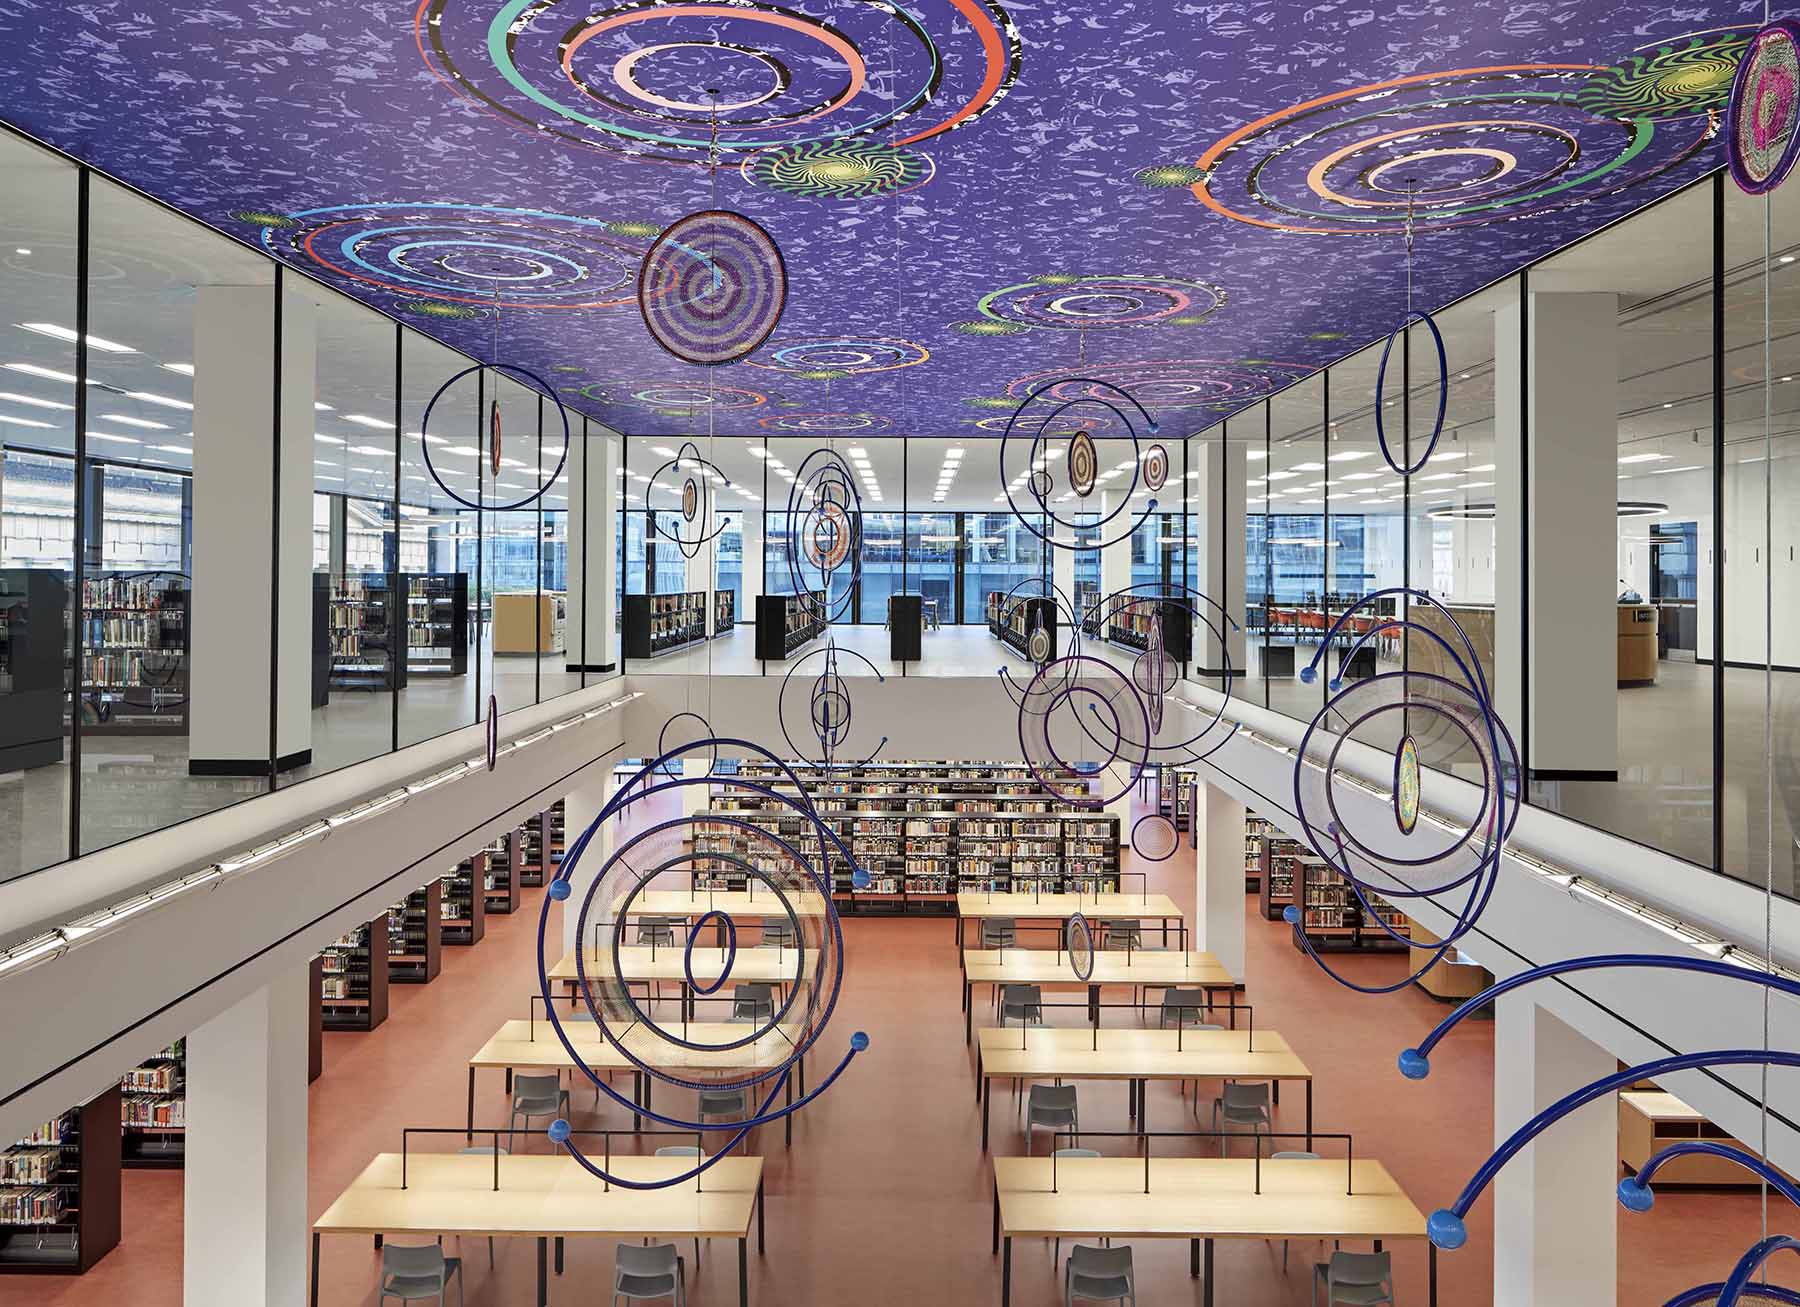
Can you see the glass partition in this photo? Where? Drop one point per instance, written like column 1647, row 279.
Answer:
column 1293, row 481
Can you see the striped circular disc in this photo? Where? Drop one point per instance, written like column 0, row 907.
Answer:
column 712, row 287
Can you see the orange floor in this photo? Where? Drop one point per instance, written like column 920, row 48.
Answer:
column 886, row 1196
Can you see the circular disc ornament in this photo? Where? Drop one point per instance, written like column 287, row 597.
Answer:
column 1042, row 485
column 712, row 287
column 1038, row 645
column 1156, row 468
column 690, row 499
column 1762, row 124
column 1084, row 464
column 828, row 545
column 1153, row 838
column 493, row 732
column 1406, row 785
column 1078, row 938
column 494, row 436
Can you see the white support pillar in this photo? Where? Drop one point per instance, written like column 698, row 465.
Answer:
column 580, row 806
column 1220, row 528
column 1219, row 906
column 1115, row 558
column 1561, row 483
column 593, row 493
column 244, row 1196
column 234, row 555
column 1556, row 1223
column 1062, row 575
column 753, row 563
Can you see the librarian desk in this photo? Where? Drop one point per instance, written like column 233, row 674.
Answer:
column 1050, row 968
column 647, row 964
column 533, row 1046
column 1021, row 906
column 1136, row 1057
column 545, row 1197
column 1199, row 1199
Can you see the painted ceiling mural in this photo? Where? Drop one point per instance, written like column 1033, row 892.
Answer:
column 1198, row 203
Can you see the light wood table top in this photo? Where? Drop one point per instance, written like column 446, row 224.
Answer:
column 1202, row 1197
column 547, row 1196
column 738, row 904
column 1095, row 907
column 1124, row 1053
column 1027, row 966
column 640, row 962
column 514, row 1046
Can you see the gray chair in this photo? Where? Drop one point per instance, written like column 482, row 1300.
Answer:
column 1122, row 935
column 1020, row 1004
column 1104, row 1274
column 999, row 932
column 536, row 1096
column 1186, row 1007
column 726, row 1103
column 659, row 931
column 1052, row 1106
column 1241, row 1104
column 778, row 932
column 685, row 1150
column 411, row 1273
column 753, row 1003
column 1056, row 1251
column 1355, row 1279
column 655, row 1271
column 1294, row 1154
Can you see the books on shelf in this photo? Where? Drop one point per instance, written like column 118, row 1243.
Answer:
column 724, row 611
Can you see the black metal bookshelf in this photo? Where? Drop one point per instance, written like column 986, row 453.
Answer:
column 654, row 625
column 354, row 995
column 134, row 653
column 34, row 607
column 784, row 624
column 153, row 1110
column 60, row 1192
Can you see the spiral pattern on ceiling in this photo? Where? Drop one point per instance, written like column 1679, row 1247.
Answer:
column 713, row 287
column 824, row 358
column 1066, row 302
column 839, row 170
column 1672, row 79
column 816, row 424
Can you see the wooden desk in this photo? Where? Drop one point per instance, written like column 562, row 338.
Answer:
column 1651, row 1120
column 1135, row 1056
column 534, row 1047
column 548, row 1197
column 639, row 962
column 738, row 904
column 1021, row 906
column 1050, row 968
column 1200, row 1199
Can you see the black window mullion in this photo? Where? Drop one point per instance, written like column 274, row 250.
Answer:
column 78, row 564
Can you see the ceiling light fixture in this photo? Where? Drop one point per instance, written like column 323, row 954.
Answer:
column 32, row 401
column 57, row 332
column 362, row 421
column 132, row 422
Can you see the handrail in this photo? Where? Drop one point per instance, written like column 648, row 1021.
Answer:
column 1147, row 1135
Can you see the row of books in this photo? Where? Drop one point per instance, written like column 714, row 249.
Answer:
column 141, row 1110
column 30, row 1165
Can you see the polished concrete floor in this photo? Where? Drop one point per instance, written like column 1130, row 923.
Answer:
column 885, row 1199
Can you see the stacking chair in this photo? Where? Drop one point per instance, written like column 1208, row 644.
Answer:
column 536, row 1096
column 999, row 932
column 753, row 1003
column 1021, row 1003
column 777, row 932
column 1241, row 1104
column 698, row 1154
column 655, row 1271
column 412, row 1273
column 1103, row 1274
column 1123, row 935
column 1355, row 1279
column 1052, row 1106
column 726, row 1103
column 659, row 931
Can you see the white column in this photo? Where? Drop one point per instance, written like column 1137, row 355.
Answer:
column 1564, row 479
column 590, row 607
column 1115, row 558
column 751, row 586
column 580, row 807
column 1219, row 878
column 234, row 557
column 1556, row 1222
column 244, row 1196
column 1220, row 528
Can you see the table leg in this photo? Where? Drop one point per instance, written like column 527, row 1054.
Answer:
column 470, row 1137
column 509, row 1078
column 996, row 1216
column 762, row 1214
column 1094, row 1004
column 637, row 1100
column 1194, row 1258
column 787, row 1121
column 987, row 1092
column 1275, row 1093
column 543, row 1297
column 1006, row 1275
column 315, row 1274
column 1165, row 932
column 377, row 1243
column 1131, row 1099
column 743, row 1273
column 559, row 1254
column 1430, row 1257
column 1207, row 1292
column 1309, row 1116
column 978, row 1075
column 968, row 1014
column 1143, row 1106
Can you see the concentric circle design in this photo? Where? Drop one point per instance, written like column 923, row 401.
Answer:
column 1037, row 645
column 1169, row 176
column 493, row 733
column 1681, row 78
column 1762, row 130
column 685, row 481
column 494, row 442
column 463, row 255
column 690, row 499
column 1095, row 303
column 1078, row 939
column 500, row 370
column 1221, row 385
column 823, row 424
column 1406, row 785
column 1154, row 837
column 840, row 170
column 684, row 733
column 1084, row 465
column 1156, row 468
column 633, row 79
column 1042, row 483
column 828, row 708
column 822, row 358
column 824, row 534
column 712, row 287
column 1455, row 148
column 1083, row 730
column 674, row 396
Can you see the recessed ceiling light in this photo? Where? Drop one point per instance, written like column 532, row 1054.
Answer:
column 151, row 397
column 1350, row 455
column 323, row 408
column 363, row 421
column 662, row 450
column 49, row 374
column 173, row 449
column 1255, row 454
column 1309, row 467
column 26, row 422
column 1283, row 476
column 1449, row 456
column 329, row 440
column 1644, row 458
column 57, row 332
column 31, row 401
column 1441, row 476
column 1481, row 467
column 132, row 422
column 116, row 439
column 185, row 369
column 1785, row 258
column 376, row 450
column 22, row 250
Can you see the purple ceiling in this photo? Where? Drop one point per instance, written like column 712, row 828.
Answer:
column 1197, row 203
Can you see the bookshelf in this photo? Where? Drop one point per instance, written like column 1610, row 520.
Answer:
column 1176, row 797
column 1280, row 870
column 416, row 936
column 134, row 653
column 724, row 611
column 501, row 883
column 153, row 1109
column 365, row 629
column 60, row 1191
column 315, row 1023
column 1257, row 832
column 465, row 912
column 354, row 987
column 34, row 605
column 654, row 625
column 1024, row 617
column 784, row 624
column 1332, row 917
column 1128, row 624
column 533, row 853
column 437, row 623
column 553, row 824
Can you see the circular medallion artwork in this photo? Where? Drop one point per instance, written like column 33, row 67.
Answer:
column 1078, row 939
column 1071, row 303
column 712, row 287
column 1037, row 645
column 1448, row 149
column 1154, row 838
column 656, row 81
column 816, row 424
column 690, row 499
column 1156, row 468
column 1084, row 465
column 1680, row 78
column 1406, row 785
column 825, row 544
column 1219, row 384
column 685, row 482
column 1761, row 140
column 461, row 260
column 829, row 711
column 1083, row 731
column 493, row 732
column 500, row 371
column 825, row 358
column 1042, row 483
column 839, row 170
